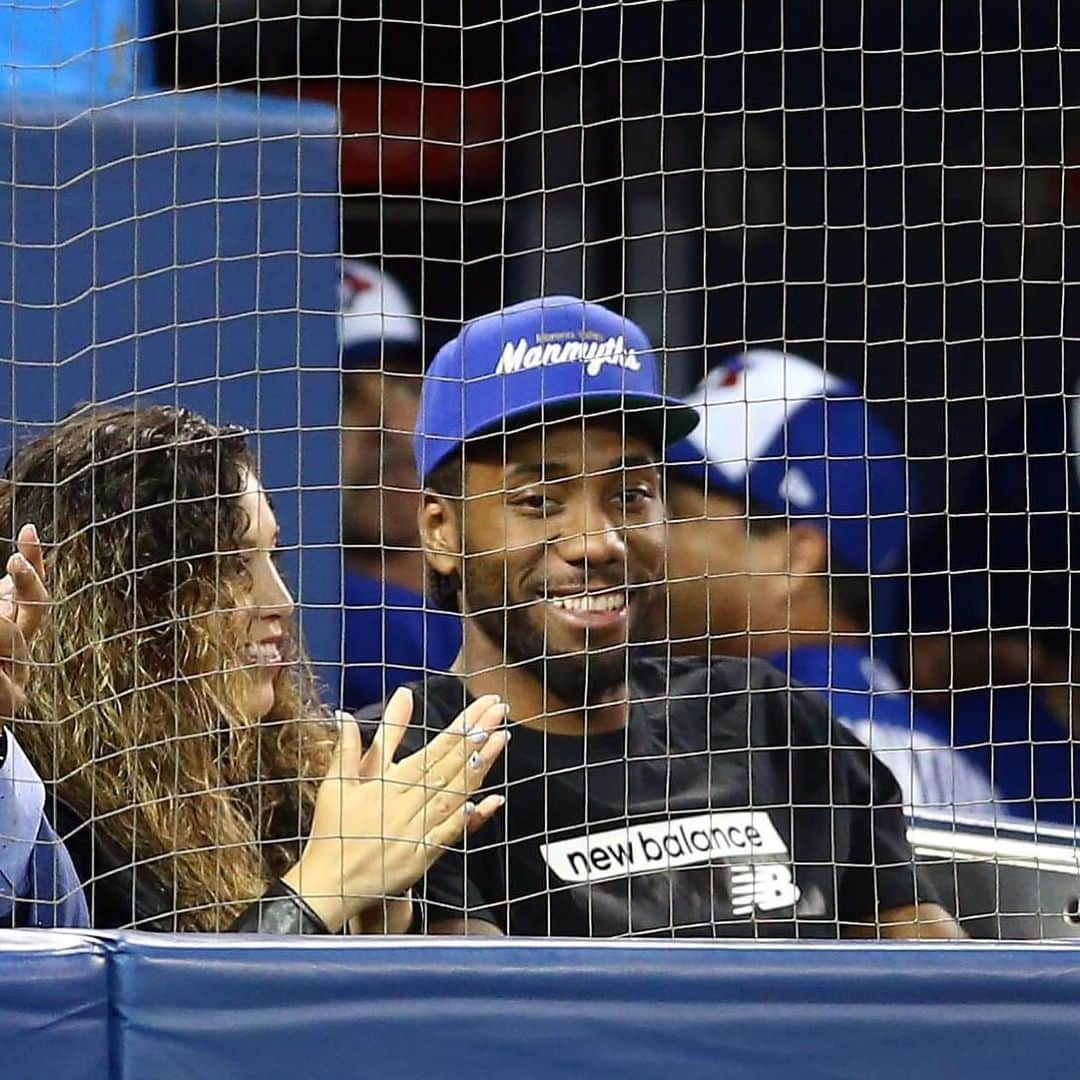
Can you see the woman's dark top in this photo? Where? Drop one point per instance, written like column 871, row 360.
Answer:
column 124, row 894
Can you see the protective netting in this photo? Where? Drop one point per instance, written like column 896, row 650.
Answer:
column 695, row 379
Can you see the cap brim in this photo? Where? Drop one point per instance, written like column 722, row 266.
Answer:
column 661, row 419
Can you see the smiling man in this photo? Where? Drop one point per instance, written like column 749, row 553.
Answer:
column 644, row 797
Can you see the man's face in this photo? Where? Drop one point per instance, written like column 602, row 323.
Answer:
column 563, row 536
column 381, row 489
column 728, row 583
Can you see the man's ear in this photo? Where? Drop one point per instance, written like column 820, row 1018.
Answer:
column 440, row 533
column 808, row 548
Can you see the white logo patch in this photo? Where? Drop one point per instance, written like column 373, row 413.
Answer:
column 765, row 886
column 519, row 356
column 747, row 841
column 734, row 836
column 796, row 488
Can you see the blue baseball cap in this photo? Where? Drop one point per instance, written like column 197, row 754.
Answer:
column 780, row 432
column 552, row 358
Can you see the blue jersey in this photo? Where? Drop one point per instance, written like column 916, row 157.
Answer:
column 391, row 639
column 864, row 696
column 38, row 883
column 1010, row 734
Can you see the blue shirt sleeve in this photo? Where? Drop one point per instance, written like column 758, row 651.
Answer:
column 38, row 882
column 54, row 892
column 391, row 638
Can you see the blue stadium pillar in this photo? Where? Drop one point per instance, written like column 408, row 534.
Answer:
column 182, row 248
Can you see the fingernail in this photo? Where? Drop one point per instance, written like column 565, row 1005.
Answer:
column 469, row 809
column 17, row 564
column 476, row 735
column 474, row 761
column 509, row 734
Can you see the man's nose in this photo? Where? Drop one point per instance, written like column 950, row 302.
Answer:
column 594, row 539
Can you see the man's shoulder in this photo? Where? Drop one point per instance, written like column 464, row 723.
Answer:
column 740, row 701
column 437, row 700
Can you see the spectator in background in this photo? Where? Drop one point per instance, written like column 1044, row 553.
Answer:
column 788, row 499
column 391, row 636
column 38, row 883
column 996, row 660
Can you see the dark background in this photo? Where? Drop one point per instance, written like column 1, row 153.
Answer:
column 888, row 187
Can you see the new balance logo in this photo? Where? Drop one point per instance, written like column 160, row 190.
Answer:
column 734, row 836
column 744, row 840
column 767, row 887
column 594, row 355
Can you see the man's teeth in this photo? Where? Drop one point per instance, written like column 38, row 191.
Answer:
column 602, row 602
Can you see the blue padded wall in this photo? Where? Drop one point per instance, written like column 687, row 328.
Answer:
column 602, row 1010
column 54, row 1009
column 180, row 248
column 139, row 1005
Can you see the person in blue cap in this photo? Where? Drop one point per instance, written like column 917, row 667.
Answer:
column 38, row 883
column 391, row 637
column 789, row 503
column 644, row 796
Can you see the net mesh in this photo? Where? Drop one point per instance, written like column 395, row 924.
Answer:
column 842, row 233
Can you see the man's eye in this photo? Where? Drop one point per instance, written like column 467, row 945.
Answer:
column 536, row 504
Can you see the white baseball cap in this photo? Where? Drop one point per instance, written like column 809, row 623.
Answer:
column 375, row 313
column 780, row 431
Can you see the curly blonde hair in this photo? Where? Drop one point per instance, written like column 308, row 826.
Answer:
column 136, row 701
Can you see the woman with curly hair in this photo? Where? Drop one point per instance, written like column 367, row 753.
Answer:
column 196, row 779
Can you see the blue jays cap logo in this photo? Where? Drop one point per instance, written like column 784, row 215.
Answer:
column 729, row 374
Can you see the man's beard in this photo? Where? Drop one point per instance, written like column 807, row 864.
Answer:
column 578, row 679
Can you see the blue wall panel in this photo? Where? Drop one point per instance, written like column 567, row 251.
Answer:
column 54, row 1009
column 181, row 248
column 546, row 1010
column 140, row 1005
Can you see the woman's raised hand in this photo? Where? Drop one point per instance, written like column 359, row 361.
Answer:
column 23, row 598
column 379, row 824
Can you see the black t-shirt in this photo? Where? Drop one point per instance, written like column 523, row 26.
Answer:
column 730, row 806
